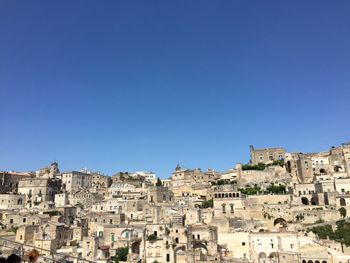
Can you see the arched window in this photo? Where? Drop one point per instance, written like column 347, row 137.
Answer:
column 342, row 202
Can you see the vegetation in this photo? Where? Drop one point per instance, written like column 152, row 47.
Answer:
column 207, row 204
column 223, row 182
column 13, row 229
column 319, row 221
column 121, row 254
column 159, row 182
column 259, row 167
column 278, row 162
column 280, row 189
column 262, row 166
column 272, row 189
column 152, row 238
column 251, row 190
column 342, row 211
column 341, row 234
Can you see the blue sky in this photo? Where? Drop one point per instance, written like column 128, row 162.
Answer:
column 142, row 85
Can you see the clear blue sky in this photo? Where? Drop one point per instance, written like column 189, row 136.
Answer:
column 143, row 85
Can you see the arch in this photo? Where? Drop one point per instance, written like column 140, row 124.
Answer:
column 342, row 202
column 317, row 261
column 201, row 246
column 305, row 201
column 313, row 201
column 126, row 233
column 304, row 261
column 322, row 171
column 324, row 261
column 179, row 249
column 280, row 221
column 273, row 255
column 262, row 255
column 310, row 261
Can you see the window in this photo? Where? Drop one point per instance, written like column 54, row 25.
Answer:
column 243, row 243
column 24, row 219
column 167, row 257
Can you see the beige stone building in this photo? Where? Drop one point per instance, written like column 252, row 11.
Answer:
column 266, row 155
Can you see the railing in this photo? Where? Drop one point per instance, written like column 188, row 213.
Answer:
column 8, row 247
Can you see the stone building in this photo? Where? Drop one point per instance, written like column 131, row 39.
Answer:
column 227, row 201
column 305, row 170
column 39, row 190
column 12, row 201
column 266, row 155
column 9, row 181
column 160, row 194
column 74, row 180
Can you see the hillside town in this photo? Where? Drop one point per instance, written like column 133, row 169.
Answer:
column 281, row 207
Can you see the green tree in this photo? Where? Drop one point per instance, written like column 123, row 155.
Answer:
column 121, row 254
column 259, row 167
column 342, row 211
column 152, row 238
column 208, row 203
column 159, row 182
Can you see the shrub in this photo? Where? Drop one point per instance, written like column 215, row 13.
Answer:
column 259, row 167
column 342, row 211
column 152, row 238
